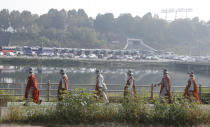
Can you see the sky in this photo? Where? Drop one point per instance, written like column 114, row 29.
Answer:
column 200, row 8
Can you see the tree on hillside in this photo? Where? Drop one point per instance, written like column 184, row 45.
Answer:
column 15, row 20
column 78, row 19
column 105, row 23
column 4, row 19
column 73, row 28
column 53, row 19
column 27, row 20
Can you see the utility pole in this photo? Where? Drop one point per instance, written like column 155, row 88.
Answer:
column 176, row 11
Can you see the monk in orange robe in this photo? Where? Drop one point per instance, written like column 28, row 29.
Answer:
column 130, row 87
column 165, row 89
column 63, row 84
column 191, row 89
column 32, row 88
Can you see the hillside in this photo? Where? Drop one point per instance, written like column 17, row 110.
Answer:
column 74, row 28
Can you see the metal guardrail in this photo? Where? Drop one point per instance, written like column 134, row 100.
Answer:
column 49, row 89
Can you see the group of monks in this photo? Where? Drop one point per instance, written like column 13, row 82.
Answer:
column 32, row 87
column 191, row 90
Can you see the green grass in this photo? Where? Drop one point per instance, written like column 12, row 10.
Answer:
column 80, row 107
column 206, row 96
column 4, row 99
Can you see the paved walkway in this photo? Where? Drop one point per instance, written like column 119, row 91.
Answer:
column 18, row 125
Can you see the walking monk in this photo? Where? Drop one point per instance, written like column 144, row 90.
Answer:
column 165, row 90
column 63, row 84
column 130, row 88
column 32, row 88
column 191, row 89
column 100, row 87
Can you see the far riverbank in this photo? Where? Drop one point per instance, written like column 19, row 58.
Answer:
column 102, row 63
column 65, row 62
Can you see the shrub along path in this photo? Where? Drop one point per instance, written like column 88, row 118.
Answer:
column 80, row 107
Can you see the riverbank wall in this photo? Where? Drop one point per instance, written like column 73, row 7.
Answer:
column 66, row 62
column 203, row 67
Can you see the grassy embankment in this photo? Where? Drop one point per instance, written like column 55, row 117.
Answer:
column 80, row 108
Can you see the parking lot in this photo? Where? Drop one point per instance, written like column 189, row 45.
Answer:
column 97, row 54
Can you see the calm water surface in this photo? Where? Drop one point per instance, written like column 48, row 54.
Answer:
column 84, row 76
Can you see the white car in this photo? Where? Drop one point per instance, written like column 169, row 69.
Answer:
column 128, row 57
column 70, row 55
column 92, row 56
column 10, row 54
column 82, row 56
column 1, row 53
column 19, row 53
column 155, row 58
column 45, row 54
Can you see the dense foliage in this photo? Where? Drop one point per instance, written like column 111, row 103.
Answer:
column 75, row 29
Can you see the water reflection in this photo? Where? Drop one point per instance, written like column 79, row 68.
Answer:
column 77, row 75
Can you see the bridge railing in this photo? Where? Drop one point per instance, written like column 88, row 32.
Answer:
column 50, row 89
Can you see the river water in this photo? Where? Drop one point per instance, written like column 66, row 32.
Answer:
column 84, row 75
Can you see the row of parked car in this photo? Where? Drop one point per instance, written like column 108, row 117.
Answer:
column 8, row 54
column 78, row 53
column 107, row 54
